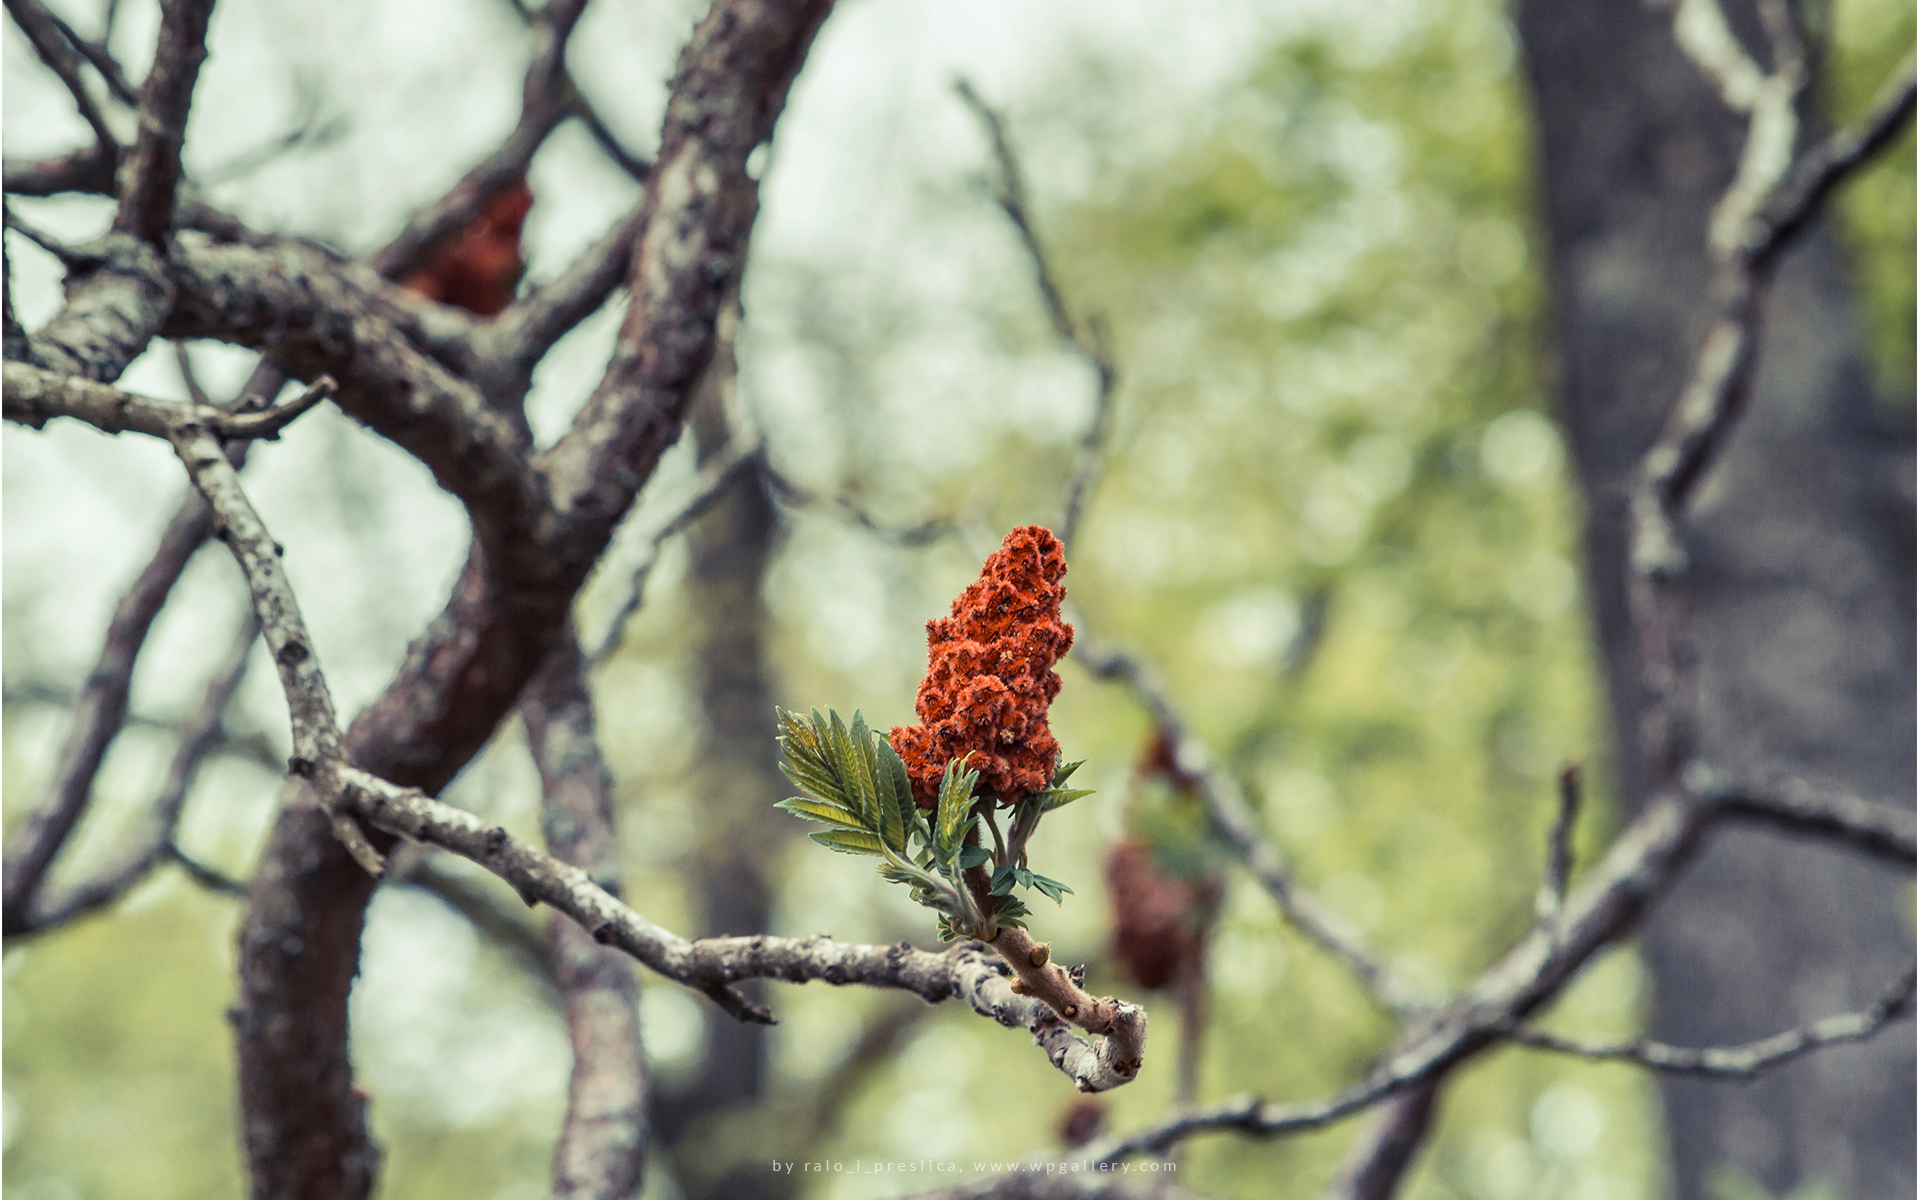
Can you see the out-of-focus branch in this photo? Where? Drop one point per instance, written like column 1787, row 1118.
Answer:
column 791, row 494
column 1227, row 810
column 1772, row 199
column 545, row 102
column 600, row 1152
column 1379, row 1157
column 35, row 396
column 1041, row 1184
column 523, row 333
column 502, row 920
column 1553, row 884
column 1087, row 338
column 151, row 174
column 254, row 748
column 1881, row 830
column 1736, row 1062
column 44, row 31
column 707, row 487
column 152, row 845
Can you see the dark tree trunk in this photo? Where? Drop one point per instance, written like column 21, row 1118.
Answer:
column 1800, row 599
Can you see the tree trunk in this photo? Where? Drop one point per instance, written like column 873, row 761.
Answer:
column 1800, row 597
column 739, row 782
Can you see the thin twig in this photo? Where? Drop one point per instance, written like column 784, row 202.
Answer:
column 45, row 32
column 707, row 487
column 1553, row 884
column 1229, row 814
column 35, row 396
column 1089, row 339
column 1736, row 1062
column 150, row 847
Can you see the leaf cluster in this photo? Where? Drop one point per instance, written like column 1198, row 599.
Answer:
column 857, row 785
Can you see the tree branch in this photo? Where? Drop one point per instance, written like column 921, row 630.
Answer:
column 34, row 397
column 151, row 174
column 1088, row 339
column 1737, row 1062
column 545, row 102
column 151, row 846
column 1229, row 814
column 45, row 32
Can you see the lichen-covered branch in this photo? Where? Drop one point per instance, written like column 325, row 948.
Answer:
column 35, row 396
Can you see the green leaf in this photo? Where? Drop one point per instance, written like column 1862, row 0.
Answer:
column 805, row 762
column 849, row 765
column 1065, row 773
column 1022, row 876
column 1002, row 882
column 973, row 856
column 828, row 814
column 896, row 788
column 891, row 822
column 1052, row 888
column 1054, row 798
column 849, row 841
column 956, row 801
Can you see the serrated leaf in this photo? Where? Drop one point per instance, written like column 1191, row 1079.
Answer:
column 973, row 856
column 1064, row 773
column 896, row 788
column 848, row 765
column 1054, row 798
column 889, row 822
column 849, row 841
column 827, row 814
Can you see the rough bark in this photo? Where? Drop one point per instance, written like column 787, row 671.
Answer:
column 1800, row 598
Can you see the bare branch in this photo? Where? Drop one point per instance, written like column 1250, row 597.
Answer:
column 1737, row 1062
column 151, row 847
column 1828, row 165
column 1228, row 812
column 1885, row 831
column 77, row 171
column 151, row 174
column 706, row 488
column 1089, row 339
column 793, row 495
column 45, row 31
column 546, row 101
column 699, row 208
column 1607, row 904
column 34, row 397
column 253, row 748
column 316, row 734
column 207, row 877
column 603, row 1136
column 103, row 62
column 1770, row 201
column 506, row 924
column 526, row 329
column 1379, row 1158
column 97, row 715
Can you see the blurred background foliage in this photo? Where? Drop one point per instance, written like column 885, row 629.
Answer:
column 1335, row 513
